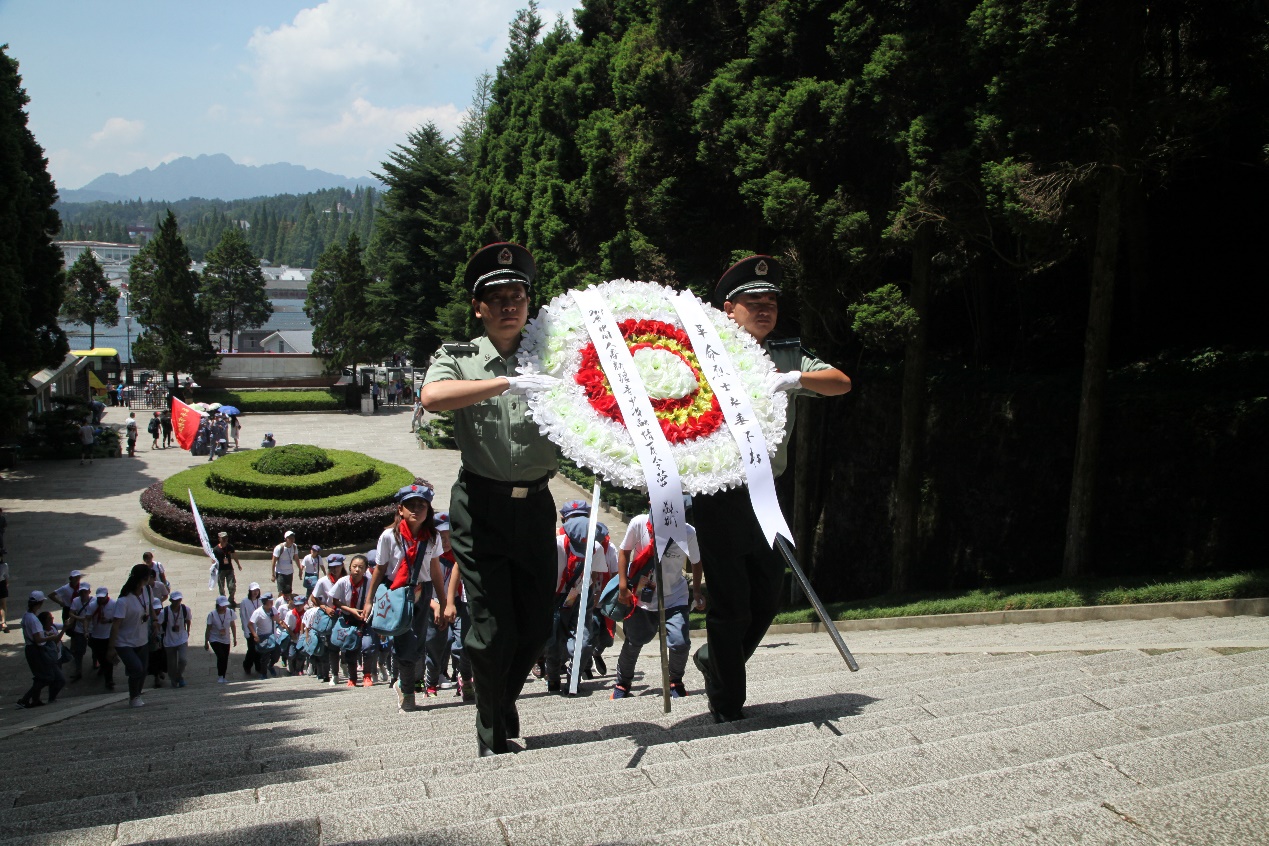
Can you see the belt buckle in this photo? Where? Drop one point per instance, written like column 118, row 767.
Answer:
column 519, row 493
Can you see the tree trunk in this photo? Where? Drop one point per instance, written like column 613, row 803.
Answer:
column 912, row 427
column 1076, row 558
column 92, row 334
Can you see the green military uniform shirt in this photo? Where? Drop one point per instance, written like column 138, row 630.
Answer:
column 496, row 437
column 789, row 355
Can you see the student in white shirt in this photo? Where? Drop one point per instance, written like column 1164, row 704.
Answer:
column 314, row 568
column 327, row 667
column 638, row 586
column 130, row 636
column 44, row 672
column 349, row 597
column 174, row 624
column 77, row 628
column 101, row 614
column 260, row 627
column 246, row 608
column 284, row 555
column 221, row 630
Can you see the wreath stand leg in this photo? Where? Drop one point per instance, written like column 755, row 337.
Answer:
column 665, row 650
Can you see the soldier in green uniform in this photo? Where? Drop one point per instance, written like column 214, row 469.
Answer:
column 502, row 515
column 743, row 573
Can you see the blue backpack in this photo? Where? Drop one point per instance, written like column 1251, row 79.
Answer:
column 344, row 637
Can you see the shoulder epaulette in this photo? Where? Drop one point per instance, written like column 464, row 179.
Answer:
column 460, row 348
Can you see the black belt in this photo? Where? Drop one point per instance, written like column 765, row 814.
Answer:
column 515, row 490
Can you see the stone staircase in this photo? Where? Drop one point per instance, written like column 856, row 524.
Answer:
column 1121, row 746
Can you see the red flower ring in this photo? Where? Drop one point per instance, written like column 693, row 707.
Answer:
column 694, row 415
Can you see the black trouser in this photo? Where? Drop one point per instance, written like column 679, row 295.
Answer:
column 408, row 646
column 45, row 672
column 744, row 576
column 249, row 661
column 222, row 658
column 100, row 646
column 505, row 548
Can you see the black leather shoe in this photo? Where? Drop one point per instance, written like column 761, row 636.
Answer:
column 511, row 719
column 722, row 717
column 482, row 750
column 600, row 665
column 711, row 689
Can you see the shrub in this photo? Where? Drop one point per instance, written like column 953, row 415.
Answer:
column 292, row 460
column 353, row 527
column 235, row 475
column 268, row 399
column 388, row 479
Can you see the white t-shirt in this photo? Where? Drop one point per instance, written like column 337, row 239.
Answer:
column 598, row 565
column 175, row 630
column 131, row 426
column 675, row 584
column 346, row 593
column 310, row 614
column 391, row 551
column 87, row 434
column 286, row 559
column 78, row 606
column 31, row 626
column 65, row 594
column 161, row 590
column 102, row 618
column 245, row 609
column 133, row 617
column 324, row 590
column 221, row 626
column 312, row 564
column 263, row 621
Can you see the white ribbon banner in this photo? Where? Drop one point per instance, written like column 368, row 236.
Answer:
column 665, row 488
column 738, row 412
column 202, row 537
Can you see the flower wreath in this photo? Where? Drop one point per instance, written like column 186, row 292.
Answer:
column 581, row 414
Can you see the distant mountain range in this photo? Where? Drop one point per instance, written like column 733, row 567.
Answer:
column 214, row 177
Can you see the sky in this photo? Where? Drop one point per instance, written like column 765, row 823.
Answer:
column 336, row 86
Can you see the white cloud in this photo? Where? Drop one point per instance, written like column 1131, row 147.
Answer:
column 119, row 130
column 363, row 122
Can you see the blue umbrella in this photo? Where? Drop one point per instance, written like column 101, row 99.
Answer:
column 228, row 409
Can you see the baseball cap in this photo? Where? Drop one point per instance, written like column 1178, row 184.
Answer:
column 156, row 603
column 222, row 534
column 316, row 548
column 74, row 574
column 288, row 534
column 268, row 597
column 103, row 591
column 177, row 596
column 253, row 586
column 85, row 586
column 222, row 601
column 37, row 596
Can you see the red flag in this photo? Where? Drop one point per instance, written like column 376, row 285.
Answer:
column 185, row 422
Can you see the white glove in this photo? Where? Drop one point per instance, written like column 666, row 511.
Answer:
column 531, row 382
column 784, row 381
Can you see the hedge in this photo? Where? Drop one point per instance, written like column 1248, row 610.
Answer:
column 296, row 399
column 292, row 460
column 234, row 475
column 389, row 479
column 331, row 530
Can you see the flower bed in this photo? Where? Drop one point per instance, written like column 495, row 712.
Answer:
column 238, row 475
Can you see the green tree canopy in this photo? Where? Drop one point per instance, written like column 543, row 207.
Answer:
column 233, row 293
column 344, row 331
column 164, row 299
column 31, row 281
column 90, row 298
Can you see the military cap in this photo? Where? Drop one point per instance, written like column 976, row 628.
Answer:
column 754, row 275
column 499, row 264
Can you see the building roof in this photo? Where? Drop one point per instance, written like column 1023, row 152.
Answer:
column 301, row 342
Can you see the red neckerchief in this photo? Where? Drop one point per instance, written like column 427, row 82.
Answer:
column 356, row 591
column 643, row 557
column 570, row 564
column 411, row 543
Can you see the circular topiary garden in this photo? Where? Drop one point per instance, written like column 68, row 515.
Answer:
column 328, row 497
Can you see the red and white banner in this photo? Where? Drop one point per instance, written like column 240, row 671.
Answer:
column 185, row 422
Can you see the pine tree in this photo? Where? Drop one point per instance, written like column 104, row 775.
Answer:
column 90, row 298
column 344, row 332
column 163, row 297
column 31, row 278
column 233, row 292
